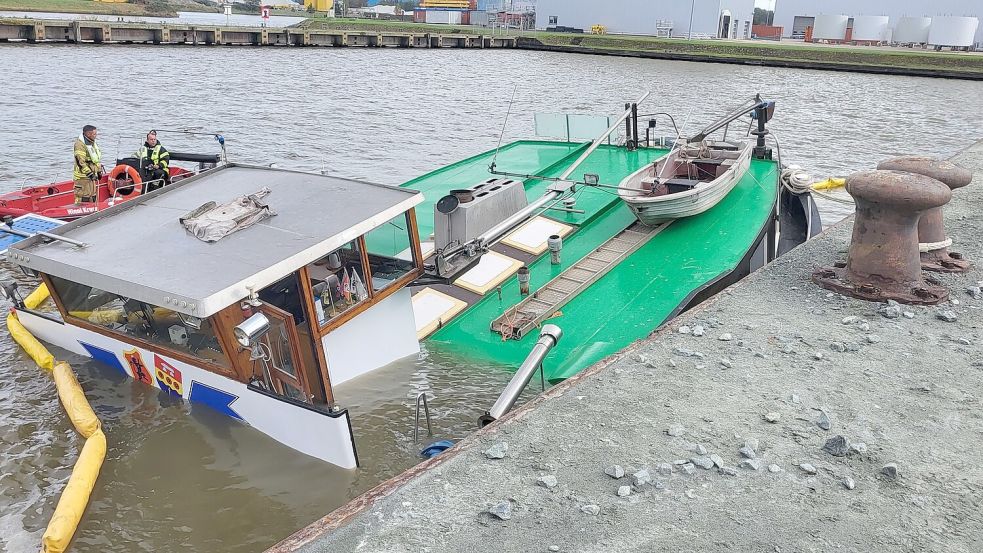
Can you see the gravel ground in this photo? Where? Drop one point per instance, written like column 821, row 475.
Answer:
column 825, row 426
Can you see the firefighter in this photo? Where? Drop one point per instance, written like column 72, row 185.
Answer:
column 88, row 166
column 154, row 163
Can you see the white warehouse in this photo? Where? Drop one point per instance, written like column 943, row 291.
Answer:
column 936, row 22
column 710, row 18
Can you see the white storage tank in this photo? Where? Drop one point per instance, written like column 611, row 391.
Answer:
column 870, row 28
column 912, row 30
column 830, row 27
column 952, row 31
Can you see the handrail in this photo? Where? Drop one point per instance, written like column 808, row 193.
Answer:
column 548, row 337
column 426, row 410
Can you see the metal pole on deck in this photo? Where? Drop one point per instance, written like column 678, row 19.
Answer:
column 692, row 7
column 548, row 338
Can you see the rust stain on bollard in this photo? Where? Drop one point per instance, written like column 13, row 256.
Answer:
column 933, row 243
column 884, row 263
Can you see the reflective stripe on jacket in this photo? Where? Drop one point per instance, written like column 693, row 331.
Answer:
column 158, row 155
column 87, row 156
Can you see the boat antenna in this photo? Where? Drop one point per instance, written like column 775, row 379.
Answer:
column 501, row 135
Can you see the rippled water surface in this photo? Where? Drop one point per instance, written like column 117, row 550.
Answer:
column 181, row 478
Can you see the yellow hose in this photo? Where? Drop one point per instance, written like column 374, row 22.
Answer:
column 828, row 184
column 74, row 498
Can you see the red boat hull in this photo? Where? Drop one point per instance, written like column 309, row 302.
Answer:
column 57, row 199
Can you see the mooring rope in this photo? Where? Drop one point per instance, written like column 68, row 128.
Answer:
column 925, row 247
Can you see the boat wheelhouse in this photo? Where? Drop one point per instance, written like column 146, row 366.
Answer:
column 261, row 323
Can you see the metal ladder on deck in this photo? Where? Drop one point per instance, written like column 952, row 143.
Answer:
column 518, row 320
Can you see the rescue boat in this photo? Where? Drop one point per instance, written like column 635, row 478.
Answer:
column 56, row 200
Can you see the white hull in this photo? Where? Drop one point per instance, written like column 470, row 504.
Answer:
column 655, row 210
column 325, row 436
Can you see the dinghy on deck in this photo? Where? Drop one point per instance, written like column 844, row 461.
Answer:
column 687, row 182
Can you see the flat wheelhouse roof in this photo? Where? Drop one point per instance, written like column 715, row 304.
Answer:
column 138, row 249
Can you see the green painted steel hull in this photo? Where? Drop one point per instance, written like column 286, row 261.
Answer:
column 635, row 297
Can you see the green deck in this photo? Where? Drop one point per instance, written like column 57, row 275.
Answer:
column 632, row 299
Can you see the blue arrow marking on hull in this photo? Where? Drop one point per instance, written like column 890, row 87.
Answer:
column 213, row 397
column 105, row 357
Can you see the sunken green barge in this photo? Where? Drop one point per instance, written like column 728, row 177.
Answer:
column 673, row 268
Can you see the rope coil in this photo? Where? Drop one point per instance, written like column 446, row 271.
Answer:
column 798, row 182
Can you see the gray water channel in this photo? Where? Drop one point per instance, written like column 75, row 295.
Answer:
column 179, row 478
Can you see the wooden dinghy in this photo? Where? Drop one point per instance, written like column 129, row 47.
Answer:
column 688, row 181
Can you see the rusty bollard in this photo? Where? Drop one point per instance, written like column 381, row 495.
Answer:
column 883, row 263
column 933, row 243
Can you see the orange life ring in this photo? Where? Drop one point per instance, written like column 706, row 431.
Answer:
column 126, row 190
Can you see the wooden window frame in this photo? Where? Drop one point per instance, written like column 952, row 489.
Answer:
column 229, row 372
column 377, row 297
column 314, row 326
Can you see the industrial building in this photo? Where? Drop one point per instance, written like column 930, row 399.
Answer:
column 323, row 6
column 448, row 12
column 699, row 18
column 944, row 23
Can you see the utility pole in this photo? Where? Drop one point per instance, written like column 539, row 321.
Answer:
column 692, row 7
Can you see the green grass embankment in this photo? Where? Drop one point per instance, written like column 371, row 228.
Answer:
column 790, row 54
column 766, row 53
column 167, row 8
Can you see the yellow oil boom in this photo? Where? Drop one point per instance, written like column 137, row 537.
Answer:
column 75, row 496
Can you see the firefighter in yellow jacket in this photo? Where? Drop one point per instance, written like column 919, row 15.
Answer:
column 154, row 162
column 88, row 166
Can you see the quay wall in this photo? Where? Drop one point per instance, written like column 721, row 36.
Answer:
column 106, row 32
column 781, row 368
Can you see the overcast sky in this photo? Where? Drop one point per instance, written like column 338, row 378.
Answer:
column 766, row 4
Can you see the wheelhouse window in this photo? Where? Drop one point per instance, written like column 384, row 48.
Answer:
column 338, row 282
column 151, row 323
column 390, row 252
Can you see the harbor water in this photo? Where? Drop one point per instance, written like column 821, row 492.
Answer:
column 182, row 478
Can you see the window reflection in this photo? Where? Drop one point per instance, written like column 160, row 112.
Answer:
column 338, row 282
column 390, row 252
column 148, row 322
